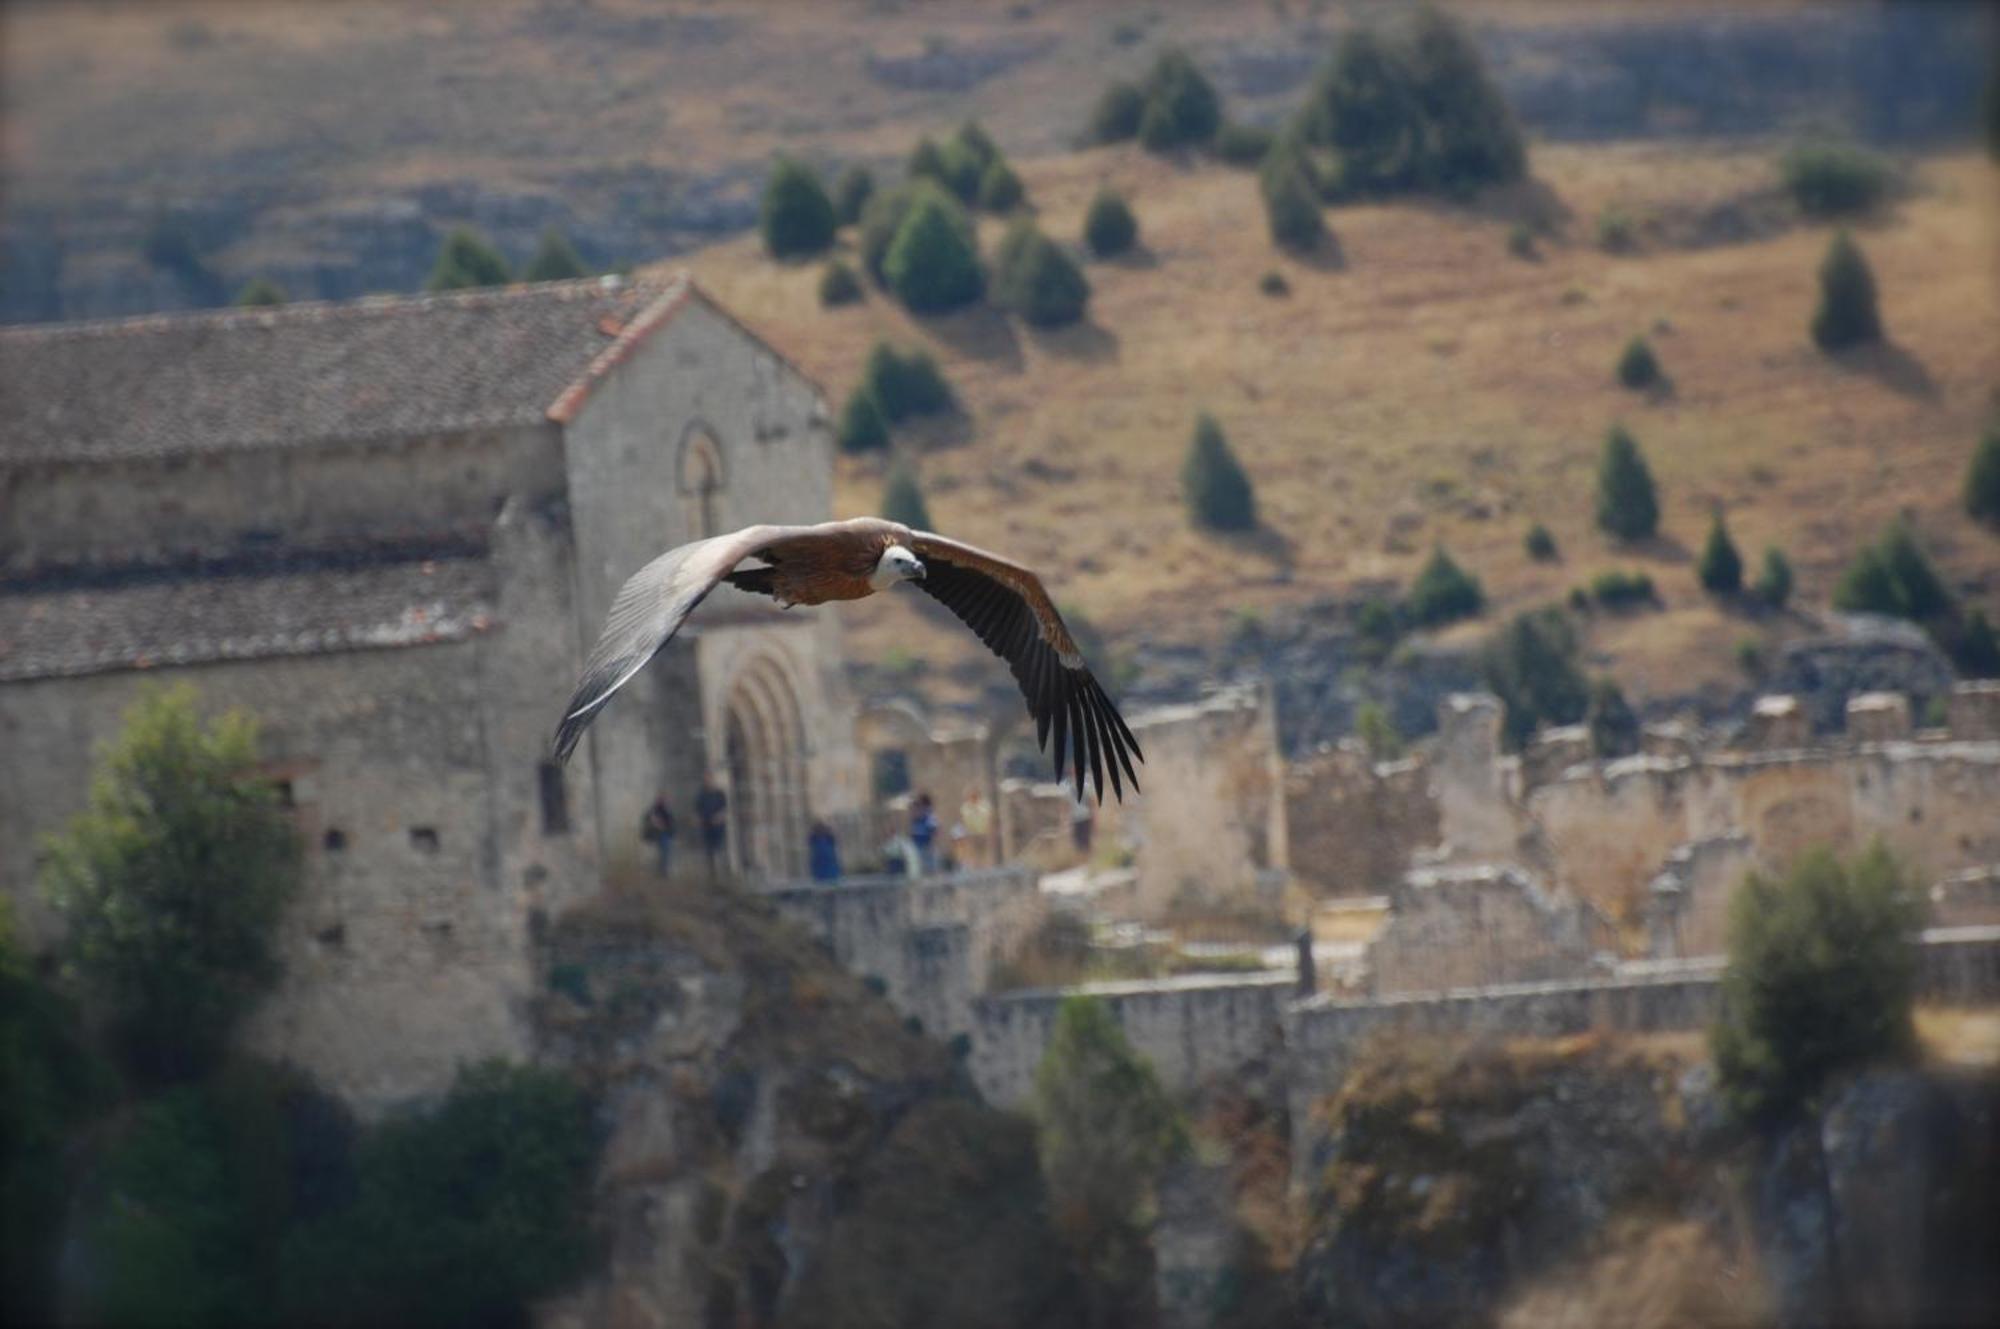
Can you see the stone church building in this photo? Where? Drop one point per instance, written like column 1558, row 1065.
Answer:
column 390, row 528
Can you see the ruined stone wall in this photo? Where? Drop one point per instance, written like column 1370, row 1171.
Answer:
column 112, row 512
column 1479, row 925
column 1355, row 826
column 1478, row 820
column 1191, row 1029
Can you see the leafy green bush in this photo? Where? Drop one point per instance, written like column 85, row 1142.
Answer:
column 1242, row 145
column 1470, row 137
column 1720, row 567
column 1846, row 315
column 1531, row 665
column 1444, row 592
column 1834, row 179
column 838, row 285
column 851, row 191
column 1116, row 115
column 903, row 500
column 881, row 217
column 461, row 1215
column 261, row 292
column 1774, row 579
column 467, row 261
column 1821, row 977
column 1217, row 489
column 1982, row 478
column 1363, row 105
column 933, row 263
column 1181, row 107
column 1000, row 189
column 962, row 171
column 1291, row 208
column 926, row 162
column 1106, row 1130
column 1377, row 732
column 1637, row 366
column 172, row 881
column 1618, row 589
column 1540, row 545
column 1109, row 228
column 1034, row 278
column 1614, row 726
column 795, row 215
column 905, row 385
column 1893, row 576
column 1627, row 505
column 861, row 427
column 555, row 259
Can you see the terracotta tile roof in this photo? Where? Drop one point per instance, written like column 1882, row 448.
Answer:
column 313, row 373
column 298, row 608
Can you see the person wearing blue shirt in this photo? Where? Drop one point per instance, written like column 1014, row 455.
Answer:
column 822, row 853
column 923, row 832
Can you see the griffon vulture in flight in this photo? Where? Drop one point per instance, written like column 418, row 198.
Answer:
column 847, row 560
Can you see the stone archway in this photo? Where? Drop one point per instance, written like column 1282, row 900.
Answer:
column 700, row 480
column 764, row 752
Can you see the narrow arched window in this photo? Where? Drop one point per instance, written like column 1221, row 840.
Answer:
column 701, row 482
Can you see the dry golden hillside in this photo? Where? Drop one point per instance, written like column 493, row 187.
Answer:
column 1428, row 387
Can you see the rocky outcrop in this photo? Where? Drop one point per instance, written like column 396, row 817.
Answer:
column 779, row 1148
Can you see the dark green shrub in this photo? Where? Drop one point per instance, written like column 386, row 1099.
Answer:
column 1617, row 589
column 903, row 499
column 1531, row 665
column 1617, row 230
column 1541, row 545
column 933, row 263
column 1614, row 726
column 973, row 138
column 1377, row 732
column 261, row 292
column 1774, row 579
column 171, row 883
column 1893, row 576
column 462, row 1215
column 1720, row 567
column 1217, row 489
column 1116, row 115
column 1273, row 284
column 466, row 261
column 1976, row 649
column 1834, row 179
column 1470, row 137
column 1378, row 626
column 861, row 428
column 1444, row 592
column 905, row 385
column 1846, row 315
column 851, row 192
column 1821, row 977
column 1181, row 106
column 555, row 259
column 1627, row 505
column 1109, row 228
column 1000, row 189
column 1363, row 105
column 926, row 162
column 1034, row 278
column 1637, row 366
column 1982, row 478
column 881, row 217
column 1750, row 656
column 838, row 285
column 1242, row 145
column 796, row 216
column 1291, row 210
column 962, row 171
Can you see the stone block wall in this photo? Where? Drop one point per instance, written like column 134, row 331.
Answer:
column 1474, row 925
column 1355, row 827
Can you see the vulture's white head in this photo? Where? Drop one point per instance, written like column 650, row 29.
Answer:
column 897, row 564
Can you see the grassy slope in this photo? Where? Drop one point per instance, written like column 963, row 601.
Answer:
column 1430, row 387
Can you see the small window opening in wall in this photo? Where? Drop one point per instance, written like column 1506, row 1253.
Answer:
column 334, row 936
column 555, row 799
column 424, row 838
column 286, row 797
column 334, row 840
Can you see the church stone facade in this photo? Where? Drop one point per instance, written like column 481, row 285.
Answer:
column 390, row 529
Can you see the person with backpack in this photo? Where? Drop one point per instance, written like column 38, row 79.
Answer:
column 657, row 829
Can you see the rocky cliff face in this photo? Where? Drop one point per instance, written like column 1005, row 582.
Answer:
column 1587, row 1182
column 780, row 1149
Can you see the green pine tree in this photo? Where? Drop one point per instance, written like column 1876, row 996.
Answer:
column 1000, row 189
column 838, row 285
column 466, row 261
column 1034, row 278
column 1531, row 665
column 851, row 192
column 933, row 263
column 1982, row 478
column 1180, row 104
column 903, row 499
column 1470, row 137
column 862, row 428
column 1115, row 117
column 555, row 259
column 1774, row 579
column 1627, row 505
column 1721, row 567
column 1218, row 491
column 1614, row 726
column 1109, row 228
column 1847, row 314
column 795, row 216
column 1444, row 592
column 1364, row 106
column 1638, row 367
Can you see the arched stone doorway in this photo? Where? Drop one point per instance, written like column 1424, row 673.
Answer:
column 764, row 751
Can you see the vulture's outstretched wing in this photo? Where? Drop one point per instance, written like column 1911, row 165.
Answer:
column 1006, row 605
column 648, row 611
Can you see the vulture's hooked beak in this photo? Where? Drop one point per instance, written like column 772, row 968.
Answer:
column 919, row 573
